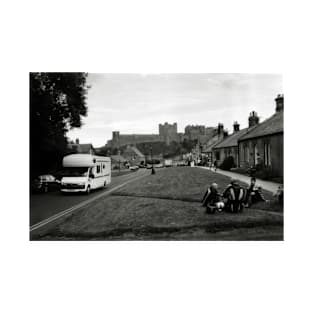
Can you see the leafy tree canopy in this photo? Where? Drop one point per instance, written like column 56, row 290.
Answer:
column 57, row 104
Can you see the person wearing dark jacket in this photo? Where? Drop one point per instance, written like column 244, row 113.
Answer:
column 212, row 199
column 226, row 190
column 234, row 197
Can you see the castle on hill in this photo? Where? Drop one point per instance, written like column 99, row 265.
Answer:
column 167, row 133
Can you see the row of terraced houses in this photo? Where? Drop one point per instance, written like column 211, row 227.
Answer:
column 259, row 143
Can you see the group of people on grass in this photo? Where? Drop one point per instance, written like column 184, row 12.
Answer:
column 235, row 197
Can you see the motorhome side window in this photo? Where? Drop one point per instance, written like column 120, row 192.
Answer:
column 98, row 169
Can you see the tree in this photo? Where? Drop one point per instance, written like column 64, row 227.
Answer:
column 57, row 103
column 228, row 163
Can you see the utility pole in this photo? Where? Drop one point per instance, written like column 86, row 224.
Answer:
column 119, row 160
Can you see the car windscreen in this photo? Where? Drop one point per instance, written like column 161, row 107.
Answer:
column 75, row 172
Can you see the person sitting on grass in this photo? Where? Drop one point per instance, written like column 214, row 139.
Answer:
column 254, row 193
column 212, row 199
column 234, row 196
column 279, row 195
column 226, row 191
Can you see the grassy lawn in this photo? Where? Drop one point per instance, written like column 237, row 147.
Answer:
column 185, row 183
column 166, row 206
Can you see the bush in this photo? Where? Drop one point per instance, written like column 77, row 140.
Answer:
column 268, row 174
column 228, row 163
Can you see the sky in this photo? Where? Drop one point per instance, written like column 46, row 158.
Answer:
column 137, row 103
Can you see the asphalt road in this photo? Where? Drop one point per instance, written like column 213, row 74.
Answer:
column 43, row 206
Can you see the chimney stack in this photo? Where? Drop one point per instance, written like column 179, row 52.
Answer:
column 279, row 103
column 253, row 119
column 236, row 127
column 220, row 130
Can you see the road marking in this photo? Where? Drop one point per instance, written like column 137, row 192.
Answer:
column 79, row 205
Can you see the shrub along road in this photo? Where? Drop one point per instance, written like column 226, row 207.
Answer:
column 167, row 206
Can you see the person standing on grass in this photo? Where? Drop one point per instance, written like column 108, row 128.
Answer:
column 215, row 165
column 212, row 199
column 254, row 193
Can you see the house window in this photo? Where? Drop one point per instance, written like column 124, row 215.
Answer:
column 255, row 150
column 267, row 154
column 246, row 154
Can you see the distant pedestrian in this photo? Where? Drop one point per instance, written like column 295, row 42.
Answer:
column 212, row 199
column 215, row 165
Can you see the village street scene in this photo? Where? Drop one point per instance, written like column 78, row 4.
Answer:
column 156, row 157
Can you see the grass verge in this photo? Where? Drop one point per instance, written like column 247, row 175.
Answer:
column 167, row 206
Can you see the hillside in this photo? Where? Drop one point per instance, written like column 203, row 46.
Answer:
column 158, row 148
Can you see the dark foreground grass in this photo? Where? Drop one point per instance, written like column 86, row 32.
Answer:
column 167, row 206
column 139, row 218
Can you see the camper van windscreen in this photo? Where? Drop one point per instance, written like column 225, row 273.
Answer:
column 75, row 171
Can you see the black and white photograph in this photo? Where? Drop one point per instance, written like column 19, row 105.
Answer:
column 156, row 156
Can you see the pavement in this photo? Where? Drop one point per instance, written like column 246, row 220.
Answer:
column 267, row 185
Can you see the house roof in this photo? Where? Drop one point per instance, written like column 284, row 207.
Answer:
column 232, row 140
column 117, row 158
column 135, row 150
column 212, row 145
column 272, row 125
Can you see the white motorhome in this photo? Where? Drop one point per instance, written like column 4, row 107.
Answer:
column 168, row 163
column 85, row 172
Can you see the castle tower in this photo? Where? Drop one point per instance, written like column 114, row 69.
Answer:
column 168, row 132
column 116, row 139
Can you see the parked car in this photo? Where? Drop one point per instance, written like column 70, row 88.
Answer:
column 134, row 168
column 45, row 183
column 158, row 165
